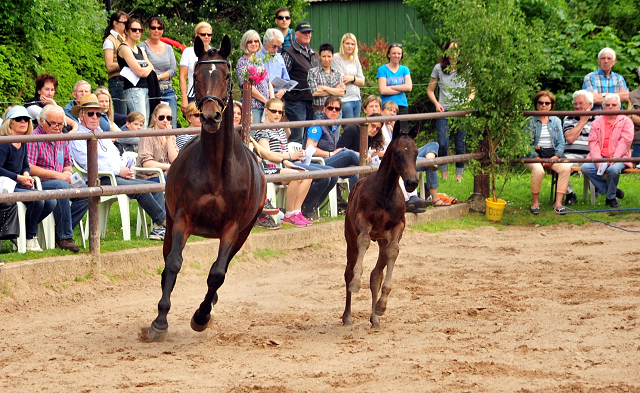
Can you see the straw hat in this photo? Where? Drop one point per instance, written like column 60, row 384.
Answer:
column 87, row 101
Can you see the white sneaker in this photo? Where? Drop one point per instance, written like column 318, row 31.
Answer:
column 33, row 246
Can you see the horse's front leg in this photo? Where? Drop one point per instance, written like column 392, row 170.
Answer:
column 230, row 243
column 352, row 256
column 388, row 258
column 364, row 241
column 174, row 242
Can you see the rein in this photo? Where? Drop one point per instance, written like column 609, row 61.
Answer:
column 222, row 103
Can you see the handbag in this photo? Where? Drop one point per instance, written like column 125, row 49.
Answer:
column 9, row 224
column 546, row 152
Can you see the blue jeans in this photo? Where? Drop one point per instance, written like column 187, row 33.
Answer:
column 116, row 89
column 157, row 179
column 635, row 152
column 319, row 189
column 169, row 96
column 36, row 212
column 443, row 126
column 298, row 111
column 137, row 99
column 152, row 203
column 344, row 159
column 604, row 185
column 257, row 115
column 432, row 176
column 351, row 109
column 68, row 212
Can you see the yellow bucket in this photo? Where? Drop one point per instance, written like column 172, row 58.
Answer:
column 495, row 209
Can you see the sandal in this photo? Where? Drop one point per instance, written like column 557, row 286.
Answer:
column 440, row 203
column 535, row 209
column 560, row 210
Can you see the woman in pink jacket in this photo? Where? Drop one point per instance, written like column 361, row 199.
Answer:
column 610, row 137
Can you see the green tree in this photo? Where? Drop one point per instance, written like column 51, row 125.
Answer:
column 501, row 57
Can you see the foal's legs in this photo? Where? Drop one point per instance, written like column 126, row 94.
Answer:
column 352, row 256
column 174, row 241
column 387, row 257
column 230, row 242
column 364, row 241
column 375, row 281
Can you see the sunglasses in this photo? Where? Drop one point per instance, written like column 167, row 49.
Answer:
column 205, row 34
column 283, row 17
column 122, row 21
column 396, row 46
column 21, row 119
column 274, row 111
column 92, row 114
column 333, row 108
column 134, row 30
column 162, row 117
column 195, row 114
column 156, row 28
column 257, row 42
column 54, row 124
column 544, row 103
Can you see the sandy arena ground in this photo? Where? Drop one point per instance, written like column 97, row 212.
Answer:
column 548, row 309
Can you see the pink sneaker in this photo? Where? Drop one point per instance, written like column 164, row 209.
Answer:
column 293, row 220
column 301, row 217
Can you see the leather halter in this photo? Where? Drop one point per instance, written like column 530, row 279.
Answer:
column 222, row 103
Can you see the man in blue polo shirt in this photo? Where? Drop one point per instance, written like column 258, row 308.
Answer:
column 604, row 80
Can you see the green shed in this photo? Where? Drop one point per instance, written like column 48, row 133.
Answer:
column 365, row 18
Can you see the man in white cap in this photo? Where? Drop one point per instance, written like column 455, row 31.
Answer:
column 88, row 112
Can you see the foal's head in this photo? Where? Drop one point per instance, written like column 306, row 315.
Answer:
column 212, row 82
column 404, row 153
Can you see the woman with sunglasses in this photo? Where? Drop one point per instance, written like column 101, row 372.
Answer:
column 133, row 61
column 548, row 142
column 164, row 62
column 275, row 140
column 109, row 120
column 188, row 61
column 193, row 117
column 394, row 80
column 111, row 40
column 14, row 164
column 346, row 62
column 157, row 151
column 262, row 91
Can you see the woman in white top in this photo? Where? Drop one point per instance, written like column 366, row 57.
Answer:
column 113, row 37
column 188, row 61
column 348, row 64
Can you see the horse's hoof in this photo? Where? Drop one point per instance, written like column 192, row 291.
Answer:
column 347, row 320
column 375, row 322
column 354, row 288
column 200, row 328
column 157, row 335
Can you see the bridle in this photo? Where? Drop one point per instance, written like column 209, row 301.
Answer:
column 222, row 103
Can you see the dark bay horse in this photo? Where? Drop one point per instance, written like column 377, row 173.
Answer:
column 214, row 188
column 376, row 211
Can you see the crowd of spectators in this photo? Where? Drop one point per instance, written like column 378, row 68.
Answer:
column 293, row 82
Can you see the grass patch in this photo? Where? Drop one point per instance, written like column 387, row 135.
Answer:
column 5, row 288
column 112, row 278
column 195, row 266
column 86, row 277
column 267, row 253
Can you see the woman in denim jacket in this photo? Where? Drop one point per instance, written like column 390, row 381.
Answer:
column 548, row 141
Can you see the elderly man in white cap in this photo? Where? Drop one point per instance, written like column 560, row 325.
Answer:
column 109, row 160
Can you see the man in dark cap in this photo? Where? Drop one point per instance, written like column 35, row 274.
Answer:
column 298, row 59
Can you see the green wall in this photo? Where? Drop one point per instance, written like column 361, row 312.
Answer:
column 332, row 19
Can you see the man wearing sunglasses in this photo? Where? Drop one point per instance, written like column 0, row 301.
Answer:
column 299, row 58
column 109, row 160
column 273, row 41
column 51, row 161
column 283, row 21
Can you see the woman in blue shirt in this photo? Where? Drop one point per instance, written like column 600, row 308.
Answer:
column 394, row 80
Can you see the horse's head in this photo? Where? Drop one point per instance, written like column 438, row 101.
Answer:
column 212, row 82
column 404, row 154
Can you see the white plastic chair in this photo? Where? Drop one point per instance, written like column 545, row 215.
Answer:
column 105, row 206
column 333, row 194
column 141, row 224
